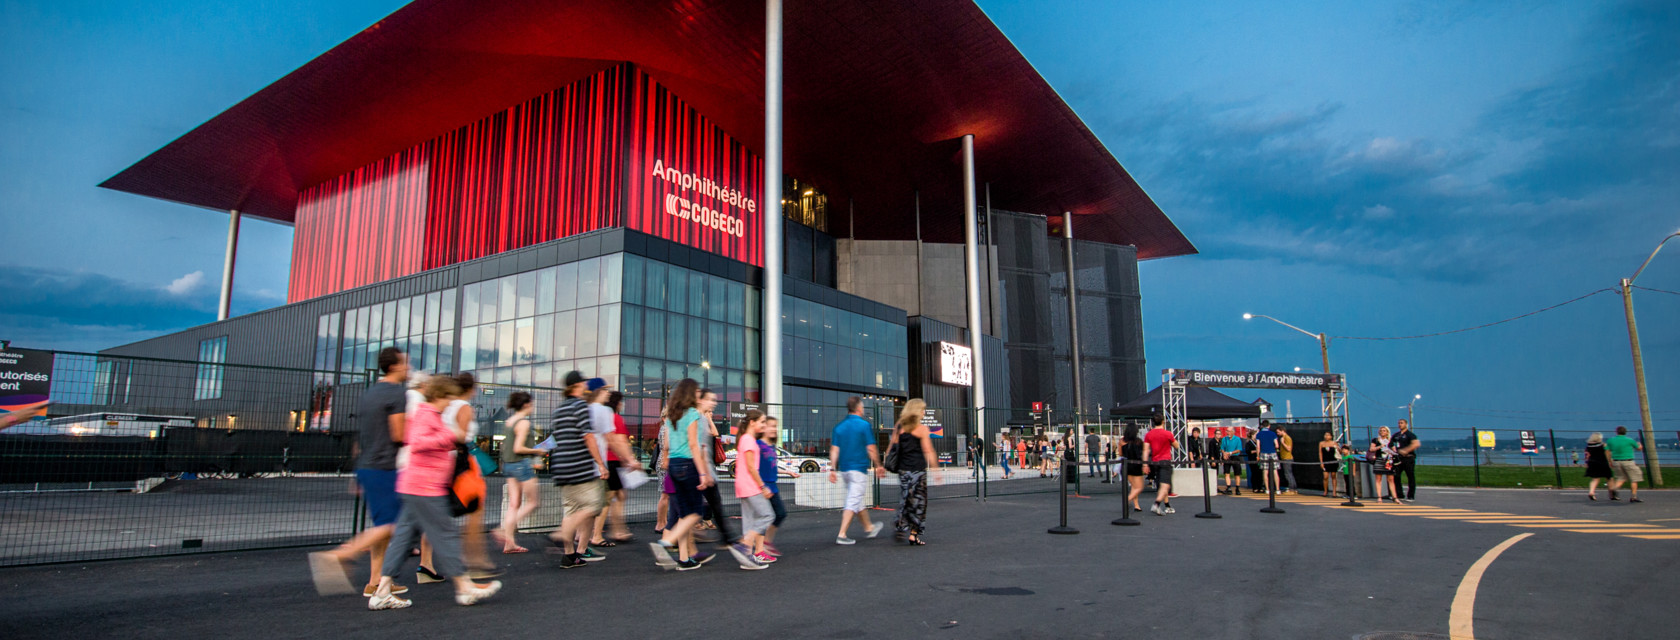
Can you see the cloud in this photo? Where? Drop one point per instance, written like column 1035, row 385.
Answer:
column 54, row 308
column 185, row 284
column 1379, row 212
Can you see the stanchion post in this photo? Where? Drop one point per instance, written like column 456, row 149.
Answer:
column 1063, row 529
column 1266, row 476
column 1347, row 485
column 1555, row 467
column 1476, row 455
column 1207, row 497
column 1125, row 519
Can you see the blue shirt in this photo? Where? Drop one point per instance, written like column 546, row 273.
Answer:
column 1267, row 440
column 677, row 436
column 1230, row 444
column 767, row 466
column 853, row 435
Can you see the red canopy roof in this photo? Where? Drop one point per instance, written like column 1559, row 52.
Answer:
column 877, row 95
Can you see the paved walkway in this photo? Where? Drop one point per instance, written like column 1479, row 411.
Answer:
column 990, row 572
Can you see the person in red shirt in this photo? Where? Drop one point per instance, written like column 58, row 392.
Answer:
column 1158, row 447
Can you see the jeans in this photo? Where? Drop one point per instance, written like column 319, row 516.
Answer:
column 1091, row 457
column 1406, row 466
column 779, row 509
column 1287, row 472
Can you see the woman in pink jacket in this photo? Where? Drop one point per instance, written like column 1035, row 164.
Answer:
column 423, row 487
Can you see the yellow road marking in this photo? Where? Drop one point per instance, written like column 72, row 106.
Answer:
column 1556, row 525
column 1592, row 529
column 1655, row 536
column 1461, row 622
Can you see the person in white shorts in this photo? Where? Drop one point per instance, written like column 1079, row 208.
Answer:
column 851, row 455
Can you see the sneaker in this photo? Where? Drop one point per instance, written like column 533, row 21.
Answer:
column 377, row 603
column 423, row 575
column 476, row 595
column 330, row 576
column 1171, row 494
column 589, row 555
column 1634, row 500
column 1156, row 509
column 744, row 556
column 772, row 551
column 844, row 540
column 875, row 529
column 1169, row 509
column 686, row 565
column 703, row 557
column 396, row 590
column 764, row 557
column 572, row 561
column 662, row 554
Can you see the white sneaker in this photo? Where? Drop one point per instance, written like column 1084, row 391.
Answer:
column 875, row 529
column 1156, row 509
column 743, row 556
column 377, row 603
column 662, row 555
column 844, row 540
column 1169, row 509
column 476, row 595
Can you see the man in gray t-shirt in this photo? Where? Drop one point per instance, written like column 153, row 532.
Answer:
column 373, row 424
column 381, row 419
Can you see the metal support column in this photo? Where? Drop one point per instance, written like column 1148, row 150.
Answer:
column 971, row 237
column 771, row 380
column 227, row 266
column 1073, row 333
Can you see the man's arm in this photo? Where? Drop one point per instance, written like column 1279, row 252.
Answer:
column 399, row 426
column 595, row 452
column 620, row 446
column 833, row 462
column 875, row 459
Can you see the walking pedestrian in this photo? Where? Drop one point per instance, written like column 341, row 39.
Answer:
column 1158, row 447
column 1003, row 449
column 1286, row 457
column 1230, row 450
column 915, row 450
column 579, row 469
column 1328, row 461
column 751, row 490
column 614, row 439
column 1598, row 465
column 1348, row 468
column 1406, row 444
column 1093, row 445
column 687, row 474
column 520, row 456
column 423, row 486
column 769, row 470
column 1131, row 449
column 1381, row 456
column 381, row 425
column 458, row 416
column 708, row 436
column 1266, row 448
column 1622, row 467
column 851, row 456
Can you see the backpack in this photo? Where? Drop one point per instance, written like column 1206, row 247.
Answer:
column 466, row 491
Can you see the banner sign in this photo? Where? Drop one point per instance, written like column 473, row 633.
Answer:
column 936, row 429
column 1530, row 444
column 738, row 410
column 25, row 378
column 1254, row 379
column 1485, row 439
column 956, row 365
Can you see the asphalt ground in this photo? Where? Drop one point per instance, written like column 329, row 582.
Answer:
column 990, row 571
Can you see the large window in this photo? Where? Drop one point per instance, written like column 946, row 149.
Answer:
column 820, row 342
column 680, row 323
column 423, row 326
column 531, row 328
column 211, row 352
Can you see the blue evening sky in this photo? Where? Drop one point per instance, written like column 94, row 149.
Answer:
column 1362, row 169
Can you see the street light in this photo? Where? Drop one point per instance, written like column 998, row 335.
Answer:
column 1323, row 341
column 1409, row 421
column 1651, row 465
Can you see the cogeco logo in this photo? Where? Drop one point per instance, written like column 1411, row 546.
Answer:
column 704, row 216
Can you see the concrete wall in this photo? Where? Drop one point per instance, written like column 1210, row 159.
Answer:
column 886, row 271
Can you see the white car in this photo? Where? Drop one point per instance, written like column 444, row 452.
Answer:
column 787, row 464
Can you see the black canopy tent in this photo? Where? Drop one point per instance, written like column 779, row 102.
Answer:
column 1201, row 403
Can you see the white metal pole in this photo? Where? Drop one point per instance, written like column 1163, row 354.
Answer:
column 771, row 380
column 971, row 237
column 227, row 266
column 1073, row 330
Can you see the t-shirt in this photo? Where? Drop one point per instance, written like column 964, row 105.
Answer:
column 1286, row 447
column 570, row 459
column 1230, row 444
column 1160, row 442
column 1402, row 440
column 601, row 424
column 1092, row 441
column 1267, row 440
column 853, row 435
column 620, row 429
column 746, row 457
column 676, row 436
column 1621, row 447
column 373, row 425
column 767, row 470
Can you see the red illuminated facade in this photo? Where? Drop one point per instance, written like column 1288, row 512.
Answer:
column 613, row 149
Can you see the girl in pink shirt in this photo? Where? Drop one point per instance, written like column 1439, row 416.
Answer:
column 756, row 512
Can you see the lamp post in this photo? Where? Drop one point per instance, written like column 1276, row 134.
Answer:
column 1323, row 340
column 1651, row 466
column 1409, row 421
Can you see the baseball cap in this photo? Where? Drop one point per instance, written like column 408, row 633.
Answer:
column 574, row 377
column 596, row 383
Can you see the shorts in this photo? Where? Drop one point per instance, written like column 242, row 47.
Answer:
column 1163, row 471
column 587, row 497
column 856, row 483
column 665, row 485
column 379, row 491
column 614, row 483
column 686, row 498
column 1234, row 466
column 756, row 514
column 1268, row 461
column 519, row 470
column 1626, row 471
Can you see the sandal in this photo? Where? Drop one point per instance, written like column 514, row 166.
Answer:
column 915, row 541
column 603, row 544
column 514, row 549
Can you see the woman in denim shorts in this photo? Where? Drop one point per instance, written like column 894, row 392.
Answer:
column 519, row 463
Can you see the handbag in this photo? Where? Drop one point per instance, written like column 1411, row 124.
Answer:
column 890, row 461
column 466, row 490
column 486, row 464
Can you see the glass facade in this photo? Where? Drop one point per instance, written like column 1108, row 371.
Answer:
column 208, row 385
column 682, row 323
column 422, row 326
column 531, row 328
column 832, row 345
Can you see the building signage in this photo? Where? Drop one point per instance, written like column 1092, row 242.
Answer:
column 1254, row 379
column 930, row 417
column 1530, row 444
column 25, row 372
column 1485, row 439
column 738, row 410
column 956, row 364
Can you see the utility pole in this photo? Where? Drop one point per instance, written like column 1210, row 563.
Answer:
column 1652, row 467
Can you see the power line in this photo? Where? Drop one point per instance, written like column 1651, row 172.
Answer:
column 1537, row 419
column 1672, row 293
column 1481, row 326
column 1538, row 411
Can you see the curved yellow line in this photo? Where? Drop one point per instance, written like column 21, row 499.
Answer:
column 1460, row 625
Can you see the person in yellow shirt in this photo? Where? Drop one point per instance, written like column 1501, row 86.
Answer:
column 1286, row 453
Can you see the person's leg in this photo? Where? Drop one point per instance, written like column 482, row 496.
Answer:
column 845, row 522
column 426, row 554
column 714, row 506
column 661, row 511
column 615, row 515
column 780, row 509
column 474, row 551
column 403, row 536
column 1592, row 486
column 901, row 524
column 1137, row 490
column 915, row 508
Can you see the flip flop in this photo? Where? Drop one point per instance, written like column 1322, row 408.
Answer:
column 515, row 550
column 604, row 544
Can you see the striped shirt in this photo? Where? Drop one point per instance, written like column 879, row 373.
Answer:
column 570, row 461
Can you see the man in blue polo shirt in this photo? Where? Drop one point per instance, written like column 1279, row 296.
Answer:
column 1230, row 451
column 851, row 454
column 1266, row 443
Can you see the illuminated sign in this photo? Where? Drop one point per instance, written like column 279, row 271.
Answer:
column 1485, row 439
column 956, row 365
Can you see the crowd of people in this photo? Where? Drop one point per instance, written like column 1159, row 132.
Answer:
column 416, row 467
